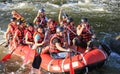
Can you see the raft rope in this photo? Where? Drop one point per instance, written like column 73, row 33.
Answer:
column 63, row 65
column 85, row 63
column 49, row 64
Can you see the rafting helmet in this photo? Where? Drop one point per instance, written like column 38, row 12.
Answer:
column 19, row 22
column 65, row 16
column 41, row 10
column 59, row 29
column 29, row 24
column 13, row 19
column 69, row 20
column 84, row 20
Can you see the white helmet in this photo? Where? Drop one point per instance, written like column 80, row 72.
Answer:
column 41, row 10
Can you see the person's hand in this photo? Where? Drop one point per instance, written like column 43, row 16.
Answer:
column 86, row 51
column 43, row 42
column 61, row 9
column 83, row 25
column 32, row 43
column 68, row 50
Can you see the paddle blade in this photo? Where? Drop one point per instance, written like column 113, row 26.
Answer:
column 71, row 68
column 36, row 62
column 6, row 57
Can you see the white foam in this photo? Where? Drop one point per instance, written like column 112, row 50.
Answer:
column 73, row 6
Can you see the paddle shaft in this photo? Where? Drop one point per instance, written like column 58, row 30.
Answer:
column 2, row 43
column 46, row 33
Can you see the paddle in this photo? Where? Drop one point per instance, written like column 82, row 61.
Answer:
column 70, row 64
column 7, row 56
column 36, row 62
column 2, row 43
column 71, row 67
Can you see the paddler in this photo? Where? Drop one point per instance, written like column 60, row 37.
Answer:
column 57, row 49
column 18, row 38
column 84, row 34
column 39, row 41
column 41, row 18
column 12, row 26
column 29, row 40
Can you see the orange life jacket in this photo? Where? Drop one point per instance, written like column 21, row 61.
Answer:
column 41, row 36
column 30, row 35
column 52, row 46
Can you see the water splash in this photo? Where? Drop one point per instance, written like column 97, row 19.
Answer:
column 80, row 6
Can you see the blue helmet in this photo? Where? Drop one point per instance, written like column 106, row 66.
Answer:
column 59, row 29
column 41, row 10
column 65, row 16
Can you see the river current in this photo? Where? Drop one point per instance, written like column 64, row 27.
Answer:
column 105, row 24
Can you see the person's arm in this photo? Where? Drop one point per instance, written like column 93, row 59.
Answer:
column 58, row 46
column 6, row 34
column 61, row 48
column 14, row 38
column 59, row 16
column 80, row 29
column 26, row 39
column 34, row 20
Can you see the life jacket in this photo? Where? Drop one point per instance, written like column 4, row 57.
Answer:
column 41, row 36
column 53, row 48
column 12, row 30
column 72, row 35
column 20, row 35
column 53, row 28
column 86, row 35
column 30, row 35
column 39, row 19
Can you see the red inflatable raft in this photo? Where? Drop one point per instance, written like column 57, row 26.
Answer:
column 79, row 61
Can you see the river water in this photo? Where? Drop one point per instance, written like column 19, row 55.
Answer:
column 105, row 24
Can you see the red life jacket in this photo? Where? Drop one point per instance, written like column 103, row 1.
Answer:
column 52, row 46
column 20, row 35
column 41, row 36
column 53, row 28
column 39, row 19
column 13, row 28
column 30, row 35
column 86, row 35
column 72, row 36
